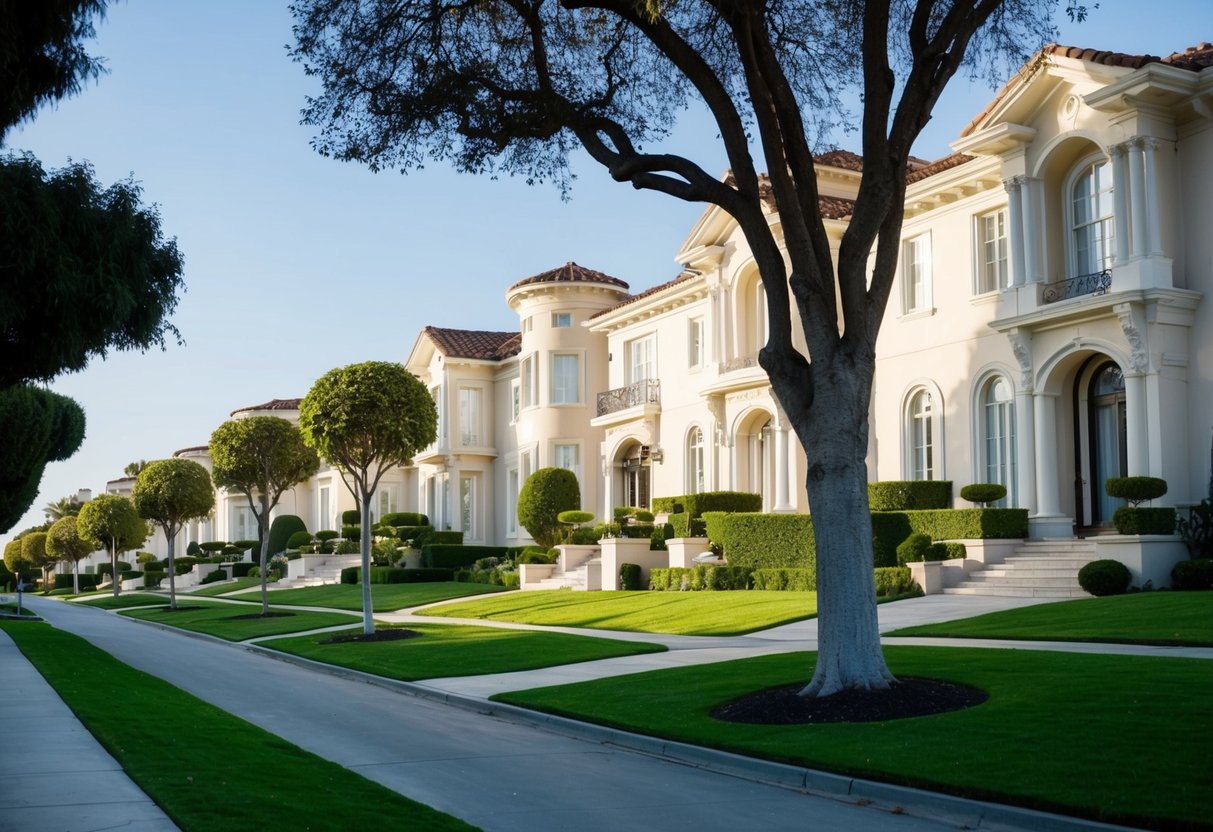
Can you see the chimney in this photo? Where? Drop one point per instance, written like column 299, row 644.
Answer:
column 84, row 495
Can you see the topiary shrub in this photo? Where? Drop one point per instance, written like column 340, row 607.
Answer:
column 1195, row 574
column 586, row 535
column 404, row 518
column 353, row 517
column 622, row 513
column 892, row 581
column 916, row 547
column 215, row 577
column 347, row 547
column 194, row 550
column 629, row 576
column 947, row 551
column 349, row 532
column 642, row 515
column 909, row 495
column 232, row 550
column 1135, row 489
column 1104, row 577
column 108, row 568
column 325, row 535
column 245, row 545
column 282, row 529
column 148, row 557
column 668, row 505
column 546, row 493
column 575, row 518
column 659, row 536
column 456, row 556
column 536, row 557
column 213, row 546
column 151, row 580
column 395, row 575
column 417, row 535
column 983, row 493
column 1155, row 520
column 241, row 570
column 298, row 540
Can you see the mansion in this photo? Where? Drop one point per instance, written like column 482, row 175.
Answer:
column 1049, row 328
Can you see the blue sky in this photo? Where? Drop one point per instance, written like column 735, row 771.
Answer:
column 296, row 264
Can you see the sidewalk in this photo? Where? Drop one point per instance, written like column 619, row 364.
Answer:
column 54, row 776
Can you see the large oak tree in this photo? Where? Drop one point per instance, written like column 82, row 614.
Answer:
column 515, row 85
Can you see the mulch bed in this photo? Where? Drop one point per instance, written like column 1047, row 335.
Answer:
column 908, row 697
column 390, row 634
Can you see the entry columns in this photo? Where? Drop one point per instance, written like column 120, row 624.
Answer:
column 1048, row 520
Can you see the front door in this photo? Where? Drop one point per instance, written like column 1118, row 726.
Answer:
column 1109, row 454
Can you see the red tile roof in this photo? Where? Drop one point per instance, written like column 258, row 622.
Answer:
column 844, row 159
column 272, row 404
column 570, row 272
column 938, row 166
column 474, row 343
column 682, row 278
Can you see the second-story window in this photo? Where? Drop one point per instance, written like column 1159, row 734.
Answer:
column 695, row 343
column 527, row 373
column 469, row 417
column 992, row 272
column 566, row 380
column 1091, row 219
column 515, row 399
column 642, row 359
column 916, row 274
column 562, row 320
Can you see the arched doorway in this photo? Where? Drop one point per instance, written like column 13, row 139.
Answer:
column 755, row 449
column 634, row 467
column 1109, row 438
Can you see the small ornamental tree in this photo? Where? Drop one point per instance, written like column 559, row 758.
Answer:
column 545, row 494
column 261, row 457
column 170, row 493
column 366, row 419
column 33, row 548
column 65, row 543
column 111, row 523
column 14, row 558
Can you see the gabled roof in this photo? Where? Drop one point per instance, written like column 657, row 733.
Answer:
column 272, row 404
column 938, row 166
column 570, row 272
column 475, row 343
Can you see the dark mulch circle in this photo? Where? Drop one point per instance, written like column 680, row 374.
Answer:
column 907, row 697
column 390, row 634
column 251, row 616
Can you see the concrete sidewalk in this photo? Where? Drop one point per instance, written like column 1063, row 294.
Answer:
column 501, row 772
column 54, row 776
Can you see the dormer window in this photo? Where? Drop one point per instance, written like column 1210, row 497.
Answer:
column 1091, row 219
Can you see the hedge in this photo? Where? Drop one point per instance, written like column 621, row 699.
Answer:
column 784, row 580
column 761, row 541
column 395, row 575
column 687, row 526
column 87, row 582
column 489, row 577
column 215, row 577
column 283, row 528
column 909, row 495
column 1195, row 574
column 298, row 540
column 448, row 538
column 1144, row 520
column 890, row 528
column 454, row 556
column 151, row 580
column 241, row 569
column 404, row 518
column 107, row 568
column 703, row 577
column 696, row 504
column 419, row 534
column 894, row 580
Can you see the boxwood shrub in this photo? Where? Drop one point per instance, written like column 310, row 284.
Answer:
column 455, row 556
column 215, row 577
column 785, row 580
column 87, row 582
column 1195, row 574
column 1135, row 489
column 1104, row 577
column 1159, row 520
column 629, row 576
column 404, row 518
column 703, row 577
column 419, row 534
column 894, row 580
column 394, row 575
column 241, row 569
column 151, row 580
column 107, row 568
column 909, row 495
column 298, row 540
column 761, row 541
column 916, row 547
column 283, row 529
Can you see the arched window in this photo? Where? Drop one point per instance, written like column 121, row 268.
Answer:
column 998, row 436
column 921, row 434
column 1091, row 219
column 695, row 467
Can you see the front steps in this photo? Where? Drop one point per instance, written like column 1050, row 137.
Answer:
column 578, row 579
column 1038, row 569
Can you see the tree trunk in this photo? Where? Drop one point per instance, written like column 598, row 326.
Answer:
column 368, row 612
column 849, row 654
column 172, row 571
column 114, row 565
column 75, row 577
column 263, row 520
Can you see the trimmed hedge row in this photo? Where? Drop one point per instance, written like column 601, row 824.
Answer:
column 894, row 580
column 240, row 569
column 909, row 495
column 456, row 556
column 491, row 577
column 704, row 577
column 696, row 504
column 784, row 580
column 1159, row 520
column 394, row 575
column 87, row 581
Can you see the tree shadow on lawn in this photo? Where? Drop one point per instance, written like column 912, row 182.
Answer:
column 907, row 697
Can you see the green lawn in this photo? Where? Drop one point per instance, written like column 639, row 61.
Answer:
column 228, row 586
column 1118, row 738
column 1168, row 618
column 443, row 650
column 206, row 768
column 384, row 597
column 237, row 622
column 678, row 613
column 126, row 599
column 11, row 609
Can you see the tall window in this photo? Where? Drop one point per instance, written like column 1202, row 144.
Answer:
column 642, row 359
column 244, row 523
column 695, row 343
column 998, row 436
column 467, row 508
column 916, row 274
column 922, row 436
column 695, row 457
column 470, row 434
column 384, row 502
column 515, row 399
column 566, row 381
column 992, row 252
column 562, row 320
column 567, row 456
column 1091, row 219
column 529, row 390
column 511, row 501
column 324, row 520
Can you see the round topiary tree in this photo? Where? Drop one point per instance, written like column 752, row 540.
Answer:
column 170, row 493
column 282, row 530
column 916, row 547
column 546, row 493
column 112, row 523
column 298, row 539
column 65, row 543
column 1135, row 489
column 1195, row 574
column 983, row 493
column 576, row 519
column 1104, row 577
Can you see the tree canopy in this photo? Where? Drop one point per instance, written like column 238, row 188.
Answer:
column 545, row 494
column 365, row 419
column 42, row 55
column 170, row 493
column 38, row 427
column 14, row 557
column 516, row 85
column 110, row 522
column 64, row 542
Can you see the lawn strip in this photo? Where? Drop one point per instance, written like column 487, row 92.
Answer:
column 384, row 597
column 126, row 599
column 1160, row 618
column 674, row 613
column 224, row 587
column 1121, row 739
column 237, row 622
column 444, row 650
column 207, row 769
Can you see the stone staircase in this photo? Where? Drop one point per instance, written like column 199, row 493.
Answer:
column 576, row 579
column 1038, row 569
column 328, row 572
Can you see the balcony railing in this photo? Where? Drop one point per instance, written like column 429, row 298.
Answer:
column 741, row 362
column 647, row 391
column 1096, row 283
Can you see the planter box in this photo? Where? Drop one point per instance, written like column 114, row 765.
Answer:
column 620, row 550
column 934, row 576
column 530, row 574
column 682, row 550
column 1150, row 557
column 572, row 556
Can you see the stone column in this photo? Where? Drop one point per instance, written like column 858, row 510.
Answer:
column 1137, row 209
column 1120, row 201
column 1031, row 231
column 1153, row 235
column 1015, row 229
column 1135, row 424
column 1048, row 501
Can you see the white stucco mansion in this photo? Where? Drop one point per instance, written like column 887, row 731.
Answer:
column 1050, row 327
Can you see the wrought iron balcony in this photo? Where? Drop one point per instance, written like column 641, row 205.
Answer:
column 647, row 391
column 1096, row 283
column 741, row 362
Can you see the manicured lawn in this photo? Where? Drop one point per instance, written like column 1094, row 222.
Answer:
column 384, row 597
column 236, row 622
column 1118, row 738
column 126, row 599
column 443, row 650
column 678, row 613
column 206, row 768
column 227, row 586
column 1141, row 618
column 11, row 609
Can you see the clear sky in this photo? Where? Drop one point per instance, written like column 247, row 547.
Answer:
column 296, row 264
